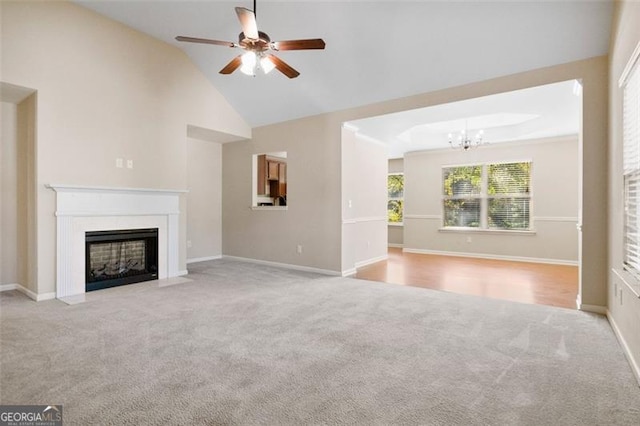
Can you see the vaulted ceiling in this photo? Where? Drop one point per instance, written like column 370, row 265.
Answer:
column 375, row 50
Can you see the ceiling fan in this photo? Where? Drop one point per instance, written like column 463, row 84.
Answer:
column 257, row 46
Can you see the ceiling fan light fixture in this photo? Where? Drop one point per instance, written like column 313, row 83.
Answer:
column 247, row 70
column 249, row 59
column 256, row 44
column 267, row 65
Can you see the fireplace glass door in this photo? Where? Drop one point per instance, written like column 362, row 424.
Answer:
column 121, row 257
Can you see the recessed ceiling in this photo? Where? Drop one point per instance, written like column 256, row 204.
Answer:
column 538, row 112
column 376, row 50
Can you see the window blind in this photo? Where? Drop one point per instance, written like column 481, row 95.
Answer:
column 462, row 191
column 631, row 169
column 509, row 178
column 395, row 198
column 494, row 196
column 508, row 194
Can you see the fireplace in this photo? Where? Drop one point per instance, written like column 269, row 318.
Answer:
column 120, row 257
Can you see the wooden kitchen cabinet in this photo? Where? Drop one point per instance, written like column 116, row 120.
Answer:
column 272, row 176
column 279, row 187
column 272, row 169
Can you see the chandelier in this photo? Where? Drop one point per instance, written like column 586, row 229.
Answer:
column 464, row 141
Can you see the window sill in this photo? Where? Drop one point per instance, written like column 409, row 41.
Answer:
column 269, row 208
column 395, row 224
column 462, row 230
column 629, row 280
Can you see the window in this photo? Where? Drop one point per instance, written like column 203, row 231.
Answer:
column 487, row 196
column 270, row 181
column 631, row 167
column 395, row 198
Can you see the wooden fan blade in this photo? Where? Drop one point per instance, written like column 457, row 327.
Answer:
column 205, row 41
column 248, row 22
column 312, row 43
column 283, row 67
column 232, row 66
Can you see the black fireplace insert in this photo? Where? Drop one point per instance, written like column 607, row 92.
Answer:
column 120, row 257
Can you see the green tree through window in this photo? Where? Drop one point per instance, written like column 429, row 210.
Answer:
column 395, row 198
column 462, row 187
column 489, row 196
column 508, row 195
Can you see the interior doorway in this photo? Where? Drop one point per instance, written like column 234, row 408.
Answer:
column 532, row 137
column 18, row 265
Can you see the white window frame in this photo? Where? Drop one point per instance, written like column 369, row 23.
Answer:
column 484, row 198
column 396, row 198
column 629, row 83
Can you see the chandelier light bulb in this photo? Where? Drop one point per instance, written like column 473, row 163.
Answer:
column 464, row 141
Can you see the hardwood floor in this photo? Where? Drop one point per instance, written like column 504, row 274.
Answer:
column 543, row 284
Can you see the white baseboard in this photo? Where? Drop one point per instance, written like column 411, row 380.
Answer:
column 371, row 261
column 204, row 259
column 595, row 309
column 494, row 257
column 30, row 294
column 394, row 245
column 635, row 366
column 284, row 265
column 181, row 273
column 349, row 272
column 9, row 287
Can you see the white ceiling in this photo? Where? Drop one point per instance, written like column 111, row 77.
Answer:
column 538, row 112
column 376, row 50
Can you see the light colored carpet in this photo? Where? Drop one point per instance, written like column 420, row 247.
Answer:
column 249, row 344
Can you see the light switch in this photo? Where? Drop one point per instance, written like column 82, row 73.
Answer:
column 119, row 163
column 129, row 164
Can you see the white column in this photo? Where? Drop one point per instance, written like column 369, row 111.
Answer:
column 173, row 245
column 64, row 256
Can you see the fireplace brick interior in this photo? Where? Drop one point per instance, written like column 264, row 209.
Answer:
column 120, row 257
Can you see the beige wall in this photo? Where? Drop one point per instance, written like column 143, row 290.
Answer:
column 314, row 215
column 105, row 91
column 9, row 195
column 554, row 181
column 623, row 304
column 27, row 117
column 17, row 216
column 204, row 209
column 364, row 200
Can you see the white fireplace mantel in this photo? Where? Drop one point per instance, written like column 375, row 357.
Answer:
column 84, row 208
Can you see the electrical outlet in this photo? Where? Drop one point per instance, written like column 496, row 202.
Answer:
column 189, row 244
column 299, row 249
column 468, row 239
column 119, row 163
column 129, row 164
